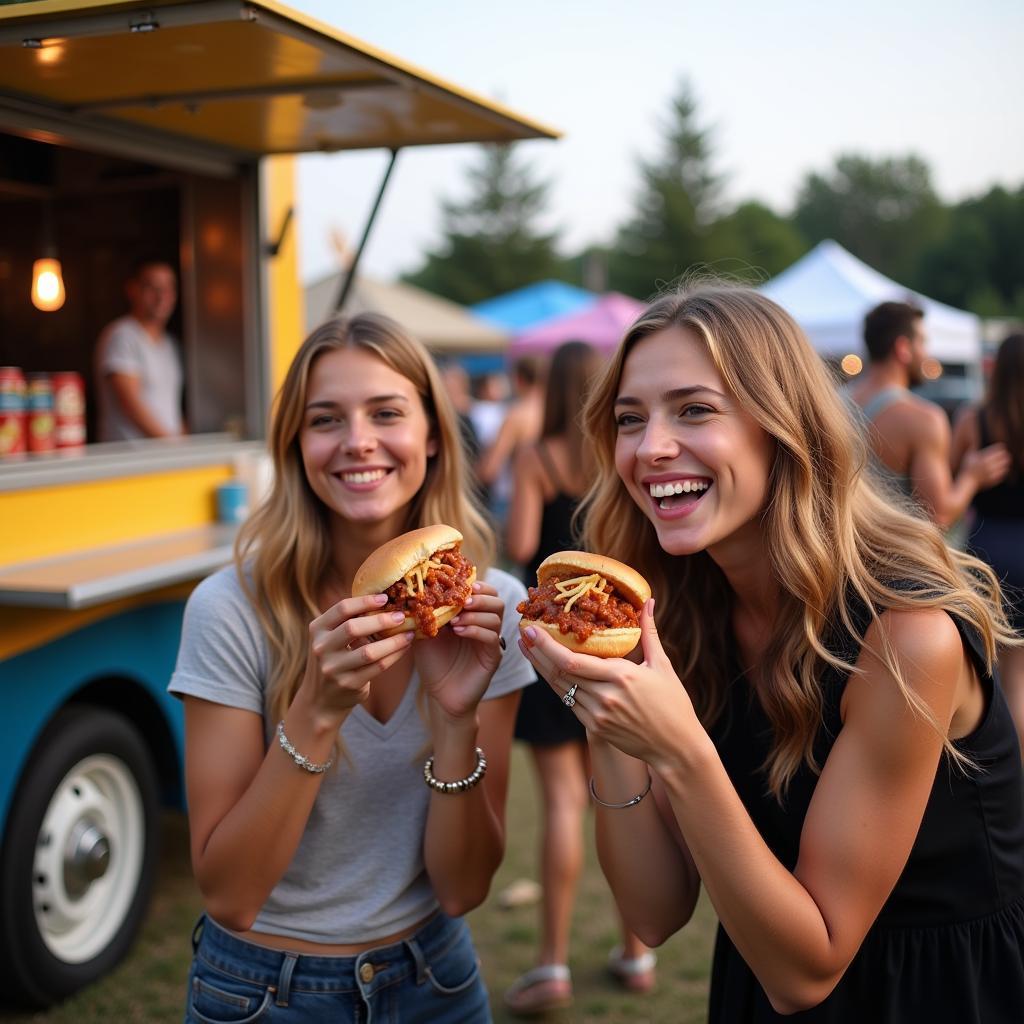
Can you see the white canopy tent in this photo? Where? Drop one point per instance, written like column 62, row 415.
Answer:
column 829, row 290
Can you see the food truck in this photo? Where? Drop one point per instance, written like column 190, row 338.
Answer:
column 130, row 129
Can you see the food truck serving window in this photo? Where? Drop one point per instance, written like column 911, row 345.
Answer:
column 105, row 218
column 133, row 132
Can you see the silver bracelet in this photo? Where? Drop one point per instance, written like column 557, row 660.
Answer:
column 632, row 802
column 460, row 785
column 300, row 759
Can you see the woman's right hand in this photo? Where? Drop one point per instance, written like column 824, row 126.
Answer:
column 989, row 466
column 344, row 657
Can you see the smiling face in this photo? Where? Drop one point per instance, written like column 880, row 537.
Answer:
column 695, row 463
column 365, row 438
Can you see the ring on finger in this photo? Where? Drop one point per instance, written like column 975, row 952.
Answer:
column 569, row 698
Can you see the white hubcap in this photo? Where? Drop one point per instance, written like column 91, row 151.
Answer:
column 88, row 858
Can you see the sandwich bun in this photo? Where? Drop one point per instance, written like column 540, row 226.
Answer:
column 630, row 587
column 392, row 560
column 602, row 643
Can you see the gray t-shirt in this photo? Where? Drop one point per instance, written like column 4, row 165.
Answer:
column 358, row 873
column 127, row 347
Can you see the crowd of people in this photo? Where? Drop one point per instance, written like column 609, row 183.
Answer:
column 812, row 729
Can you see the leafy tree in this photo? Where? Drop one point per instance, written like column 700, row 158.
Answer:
column 490, row 240
column 672, row 227
column 756, row 236
column 979, row 263
column 884, row 211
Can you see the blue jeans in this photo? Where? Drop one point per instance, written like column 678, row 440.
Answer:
column 433, row 977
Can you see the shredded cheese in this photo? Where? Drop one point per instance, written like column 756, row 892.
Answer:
column 572, row 590
column 415, row 578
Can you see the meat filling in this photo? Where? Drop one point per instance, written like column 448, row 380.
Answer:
column 595, row 609
column 445, row 581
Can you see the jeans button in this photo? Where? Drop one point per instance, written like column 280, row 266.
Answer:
column 366, row 973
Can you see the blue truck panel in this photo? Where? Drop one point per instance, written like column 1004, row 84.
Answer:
column 138, row 646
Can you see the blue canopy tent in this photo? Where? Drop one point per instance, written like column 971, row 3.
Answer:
column 525, row 307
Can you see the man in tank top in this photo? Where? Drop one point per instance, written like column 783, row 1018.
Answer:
column 910, row 436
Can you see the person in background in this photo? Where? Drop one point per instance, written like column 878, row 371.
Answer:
column 910, row 436
column 521, row 425
column 138, row 367
column 813, row 730
column 998, row 529
column 487, row 409
column 548, row 481
column 456, row 383
column 333, row 863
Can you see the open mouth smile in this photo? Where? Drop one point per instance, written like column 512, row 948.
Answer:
column 675, row 498
column 362, row 479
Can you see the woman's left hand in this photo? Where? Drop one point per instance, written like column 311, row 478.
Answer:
column 456, row 666
column 643, row 709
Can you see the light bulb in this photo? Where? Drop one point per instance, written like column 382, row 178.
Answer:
column 47, row 285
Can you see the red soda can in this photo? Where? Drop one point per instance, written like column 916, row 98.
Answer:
column 69, row 409
column 40, row 436
column 12, row 411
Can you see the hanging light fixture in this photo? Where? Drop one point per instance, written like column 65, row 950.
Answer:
column 47, row 280
column 47, row 284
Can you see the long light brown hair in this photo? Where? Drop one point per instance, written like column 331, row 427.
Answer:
column 283, row 551
column 831, row 537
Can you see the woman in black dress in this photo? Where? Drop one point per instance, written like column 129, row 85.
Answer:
column 549, row 479
column 997, row 533
column 814, row 731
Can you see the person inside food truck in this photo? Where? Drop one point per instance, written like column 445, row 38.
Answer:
column 138, row 366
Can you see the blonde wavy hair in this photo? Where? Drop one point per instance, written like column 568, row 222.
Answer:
column 832, row 535
column 283, row 552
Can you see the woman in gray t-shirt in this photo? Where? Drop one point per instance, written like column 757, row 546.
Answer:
column 334, row 891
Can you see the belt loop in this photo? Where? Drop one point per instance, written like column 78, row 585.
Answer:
column 284, row 981
column 197, row 932
column 420, row 960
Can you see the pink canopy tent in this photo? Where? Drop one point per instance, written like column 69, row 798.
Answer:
column 601, row 324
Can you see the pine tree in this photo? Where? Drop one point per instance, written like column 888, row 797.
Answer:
column 490, row 240
column 673, row 225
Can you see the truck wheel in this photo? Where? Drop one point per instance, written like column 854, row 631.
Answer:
column 79, row 855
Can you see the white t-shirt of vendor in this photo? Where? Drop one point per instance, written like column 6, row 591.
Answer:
column 127, row 347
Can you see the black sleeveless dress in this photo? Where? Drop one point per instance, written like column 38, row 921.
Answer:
column 948, row 944
column 998, row 534
column 543, row 719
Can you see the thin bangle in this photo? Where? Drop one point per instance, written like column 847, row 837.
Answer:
column 631, row 802
column 300, row 759
column 459, row 785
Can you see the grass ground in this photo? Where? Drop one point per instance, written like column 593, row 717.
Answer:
column 149, row 987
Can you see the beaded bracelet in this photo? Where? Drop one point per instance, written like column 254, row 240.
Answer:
column 300, row 759
column 460, row 785
column 631, row 802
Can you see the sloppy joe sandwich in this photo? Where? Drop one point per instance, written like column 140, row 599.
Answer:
column 589, row 603
column 424, row 575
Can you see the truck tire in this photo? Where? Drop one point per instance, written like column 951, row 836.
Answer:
column 79, row 855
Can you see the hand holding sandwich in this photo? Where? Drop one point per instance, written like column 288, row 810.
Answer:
column 346, row 655
column 429, row 582
column 576, row 636
column 457, row 665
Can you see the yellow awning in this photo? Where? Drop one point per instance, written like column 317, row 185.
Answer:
column 247, row 77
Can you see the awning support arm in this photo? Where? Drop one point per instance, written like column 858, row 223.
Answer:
column 354, row 265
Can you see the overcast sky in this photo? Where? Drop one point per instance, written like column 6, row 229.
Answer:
column 786, row 87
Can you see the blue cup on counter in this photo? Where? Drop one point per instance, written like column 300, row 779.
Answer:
column 232, row 501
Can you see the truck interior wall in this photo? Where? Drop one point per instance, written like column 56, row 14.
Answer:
column 215, row 350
